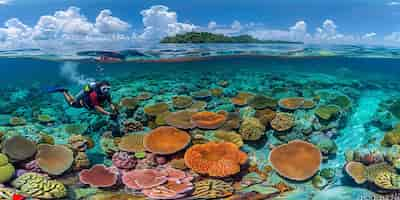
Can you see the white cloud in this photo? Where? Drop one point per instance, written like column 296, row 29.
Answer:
column 369, row 35
column 106, row 23
column 212, row 25
column 159, row 22
column 4, row 2
column 393, row 3
column 393, row 37
column 236, row 25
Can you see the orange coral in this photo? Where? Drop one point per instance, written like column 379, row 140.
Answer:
column 215, row 159
column 242, row 98
column 297, row 160
column 291, row 103
column 166, row 140
column 208, row 120
column 357, row 171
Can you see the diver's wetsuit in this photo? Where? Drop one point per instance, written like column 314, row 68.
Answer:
column 89, row 99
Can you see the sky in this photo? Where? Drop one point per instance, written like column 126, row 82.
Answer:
column 51, row 23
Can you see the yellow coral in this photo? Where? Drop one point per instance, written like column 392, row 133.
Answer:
column 251, row 129
column 212, row 189
column 229, row 136
column 38, row 186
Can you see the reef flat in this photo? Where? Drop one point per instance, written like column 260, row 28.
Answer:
column 204, row 130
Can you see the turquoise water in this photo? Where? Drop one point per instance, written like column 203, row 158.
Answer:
column 367, row 77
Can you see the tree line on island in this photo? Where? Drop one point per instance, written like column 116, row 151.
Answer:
column 206, row 37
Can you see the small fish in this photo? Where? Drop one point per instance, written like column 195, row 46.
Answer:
column 18, row 197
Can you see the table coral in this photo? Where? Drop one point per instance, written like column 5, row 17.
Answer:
column 182, row 102
column 208, row 120
column 166, row 140
column 132, row 143
column 298, row 160
column 54, row 159
column 180, row 119
column 19, row 148
column 291, row 103
column 99, row 176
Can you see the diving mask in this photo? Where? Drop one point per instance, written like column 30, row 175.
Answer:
column 105, row 89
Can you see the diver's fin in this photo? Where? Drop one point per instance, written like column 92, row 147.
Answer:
column 55, row 89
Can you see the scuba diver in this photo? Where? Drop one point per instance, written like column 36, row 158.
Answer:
column 92, row 97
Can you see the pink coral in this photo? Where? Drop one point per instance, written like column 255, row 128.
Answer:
column 143, row 179
column 99, row 176
column 123, row 160
column 32, row 166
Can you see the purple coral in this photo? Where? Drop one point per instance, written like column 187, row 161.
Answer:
column 123, row 160
column 32, row 166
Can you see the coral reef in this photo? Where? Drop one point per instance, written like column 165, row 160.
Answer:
column 99, row 176
column 297, row 160
column 19, row 148
column 282, row 121
column 132, row 143
column 208, row 120
column 251, row 129
column 54, row 159
column 212, row 189
column 38, row 186
column 215, row 159
column 166, row 140
column 180, row 119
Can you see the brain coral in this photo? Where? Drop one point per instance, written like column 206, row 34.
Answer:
column 132, row 143
column 215, row 159
column 297, row 160
column 212, row 189
column 38, row 186
column 291, row 103
column 251, row 129
column 6, row 169
column 181, row 119
column 19, row 148
column 54, row 159
column 208, row 120
column 182, row 102
column 282, row 122
column 166, row 140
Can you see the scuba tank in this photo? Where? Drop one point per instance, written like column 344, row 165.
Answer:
column 89, row 86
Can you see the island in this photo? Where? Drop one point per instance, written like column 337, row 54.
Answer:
column 206, row 37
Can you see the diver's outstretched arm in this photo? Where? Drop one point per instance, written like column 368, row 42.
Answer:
column 101, row 110
column 68, row 97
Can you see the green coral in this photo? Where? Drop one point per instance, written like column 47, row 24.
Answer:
column 38, row 186
column 261, row 102
column 327, row 112
column 6, row 169
column 342, row 101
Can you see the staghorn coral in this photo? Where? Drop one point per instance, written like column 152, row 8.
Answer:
column 260, row 102
column 182, row 102
column 212, row 189
column 208, row 120
column 132, row 125
column 38, row 186
column 282, row 121
column 251, row 129
column 156, row 109
column 180, row 119
column 99, row 176
column 357, row 171
column 54, row 159
column 291, row 103
column 166, row 140
column 215, row 159
column 19, row 148
column 7, row 170
column 297, row 160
